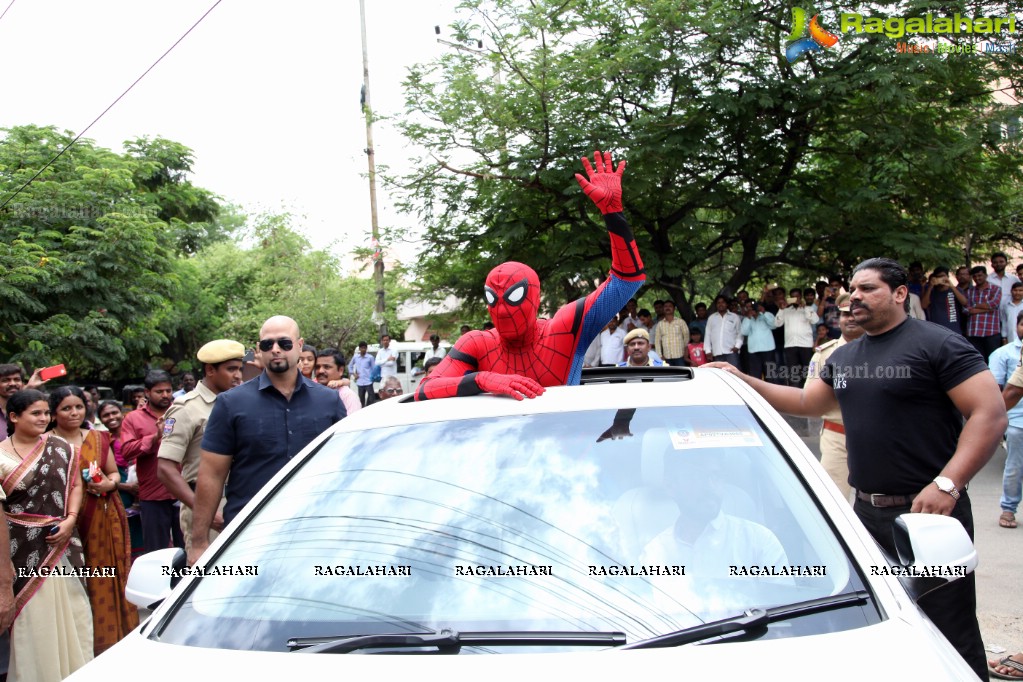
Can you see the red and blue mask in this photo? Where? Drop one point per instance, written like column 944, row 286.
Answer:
column 512, row 292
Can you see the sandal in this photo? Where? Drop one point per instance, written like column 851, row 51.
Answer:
column 1015, row 668
column 1007, row 520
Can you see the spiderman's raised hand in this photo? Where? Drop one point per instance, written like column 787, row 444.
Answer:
column 516, row 386
column 604, row 186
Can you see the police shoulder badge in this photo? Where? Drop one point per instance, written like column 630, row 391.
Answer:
column 168, row 427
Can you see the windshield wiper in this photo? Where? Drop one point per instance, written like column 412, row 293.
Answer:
column 450, row 641
column 751, row 619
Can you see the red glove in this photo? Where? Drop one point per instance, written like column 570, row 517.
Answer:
column 516, row 386
column 604, row 187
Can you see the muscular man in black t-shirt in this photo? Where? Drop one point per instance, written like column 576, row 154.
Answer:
column 904, row 388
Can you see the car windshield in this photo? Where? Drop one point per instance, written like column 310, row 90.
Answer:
column 641, row 521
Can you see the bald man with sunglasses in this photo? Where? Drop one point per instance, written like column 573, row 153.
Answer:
column 256, row 428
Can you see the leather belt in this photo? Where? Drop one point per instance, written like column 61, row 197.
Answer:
column 879, row 500
column 834, row 426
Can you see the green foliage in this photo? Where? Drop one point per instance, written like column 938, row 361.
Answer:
column 280, row 274
column 87, row 253
column 742, row 167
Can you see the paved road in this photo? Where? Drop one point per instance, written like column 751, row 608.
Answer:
column 1000, row 572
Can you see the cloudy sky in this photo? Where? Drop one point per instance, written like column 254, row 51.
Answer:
column 265, row 93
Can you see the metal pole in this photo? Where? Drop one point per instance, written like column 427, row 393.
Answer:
column 367, row 110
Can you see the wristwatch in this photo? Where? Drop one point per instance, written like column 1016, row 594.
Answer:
column 946, row 485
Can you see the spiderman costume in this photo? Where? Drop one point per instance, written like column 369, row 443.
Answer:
column 522, row 354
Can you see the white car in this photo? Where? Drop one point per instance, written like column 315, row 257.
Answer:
column 648, row 521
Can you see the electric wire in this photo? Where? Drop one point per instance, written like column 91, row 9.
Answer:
column 109, row 107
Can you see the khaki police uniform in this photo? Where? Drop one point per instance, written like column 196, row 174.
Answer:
column 834, row 456
column 183, row 427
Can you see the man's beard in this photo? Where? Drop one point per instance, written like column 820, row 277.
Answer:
column 279, row 365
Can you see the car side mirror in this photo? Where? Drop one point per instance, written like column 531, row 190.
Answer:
column 933, row 551
column 154, row 575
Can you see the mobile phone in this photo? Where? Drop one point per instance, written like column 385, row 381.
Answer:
column 54, row 530
column 48, row 373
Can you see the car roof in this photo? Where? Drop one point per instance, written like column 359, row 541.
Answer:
column 609, row 388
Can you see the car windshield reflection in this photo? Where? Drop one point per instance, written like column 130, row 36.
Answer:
column 643, row 521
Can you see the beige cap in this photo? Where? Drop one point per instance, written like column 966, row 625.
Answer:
column 843, row 303
column 220, row 350
column 636, row 333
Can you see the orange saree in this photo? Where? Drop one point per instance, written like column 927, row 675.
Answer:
column 104, row 530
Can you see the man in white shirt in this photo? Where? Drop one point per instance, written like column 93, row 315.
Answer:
column 999, row 278
column 799, row 322
column 724, row 334
column 435, row 351
column 386, row 358
column 609, row 348
column 1010, row 310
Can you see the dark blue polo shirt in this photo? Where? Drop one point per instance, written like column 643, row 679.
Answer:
column 262, row 431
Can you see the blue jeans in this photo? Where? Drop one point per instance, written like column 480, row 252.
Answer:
column 1012, row 479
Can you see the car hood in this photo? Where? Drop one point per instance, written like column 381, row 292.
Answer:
column 906, row 650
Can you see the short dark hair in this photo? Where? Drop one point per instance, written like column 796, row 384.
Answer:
column 643, row 312
column 10, row 368
column 383, row 335
column 700, row 305
column 891, row 272
column 432, row 362
column 108, row 403
column 339, row 357
column 795, row 290
column 1019, row 317
column 671, row 302
column 156, row 376
column 19, row 402
column 696, row 330
column 1016, row 285
column 658, row 301
column 308, row 348
column 809, row 292
column 996, row 254
column 363, row 344
column 58, row 395
column 721, row 297
column 434, row 337
column 977, row 269
column 940, row 270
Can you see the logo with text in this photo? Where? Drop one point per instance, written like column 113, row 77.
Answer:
column 798, row 43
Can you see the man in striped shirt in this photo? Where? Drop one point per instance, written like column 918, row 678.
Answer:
column 984, row 329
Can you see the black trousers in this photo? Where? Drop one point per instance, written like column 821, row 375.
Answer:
column 762, row 364
column 366, row 394
column 953, row 607
column 798, row 359
column 160, row 525
column 986, row 345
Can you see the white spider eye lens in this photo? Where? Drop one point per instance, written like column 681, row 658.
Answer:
column 490, row 296
column 516, row 295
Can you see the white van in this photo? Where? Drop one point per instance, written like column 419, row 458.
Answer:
column 410, row 361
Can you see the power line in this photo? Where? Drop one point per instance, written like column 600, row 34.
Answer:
column 111, row 106
column 5, row 11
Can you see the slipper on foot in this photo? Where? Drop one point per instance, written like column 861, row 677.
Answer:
column 1007, row 520
column 1007, row 662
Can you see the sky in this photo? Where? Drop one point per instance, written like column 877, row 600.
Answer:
column 266, row 94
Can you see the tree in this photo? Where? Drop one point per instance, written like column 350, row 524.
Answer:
column 741, row 165
column 87, row 264
column 282, row 275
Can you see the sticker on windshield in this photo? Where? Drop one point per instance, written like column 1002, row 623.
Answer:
column 694, row 438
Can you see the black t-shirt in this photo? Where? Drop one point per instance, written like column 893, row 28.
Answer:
column 901, row 428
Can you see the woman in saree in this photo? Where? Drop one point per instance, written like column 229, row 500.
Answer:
column 52, row 632
column 102, row 523
column 111, row 415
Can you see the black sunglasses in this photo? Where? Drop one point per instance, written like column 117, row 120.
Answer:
column 284, row 342
column 392, row 390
